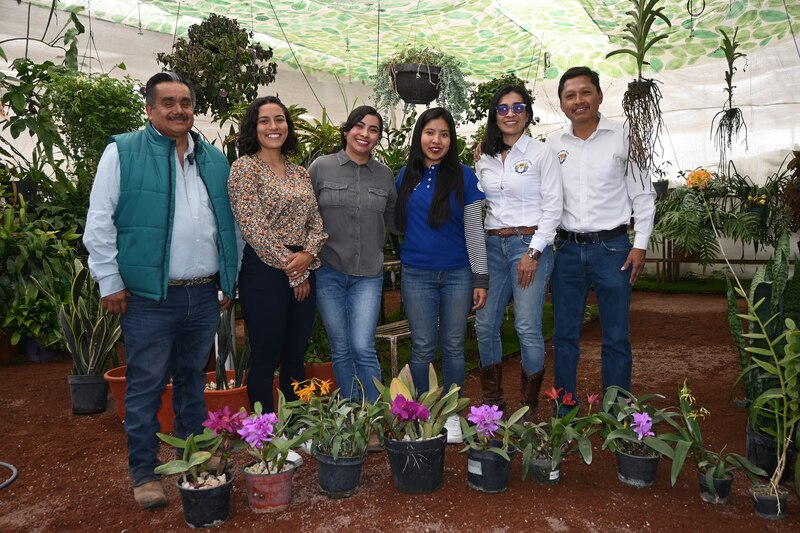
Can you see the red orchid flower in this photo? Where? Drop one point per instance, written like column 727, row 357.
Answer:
column 567, row 399
column 553, row 393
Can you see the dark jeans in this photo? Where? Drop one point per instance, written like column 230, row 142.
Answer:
column 278, row 327
column 577, row 267
column 172, row 337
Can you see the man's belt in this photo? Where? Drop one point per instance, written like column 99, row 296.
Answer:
column 593, row 237
column 194, row 282
column 508, row 232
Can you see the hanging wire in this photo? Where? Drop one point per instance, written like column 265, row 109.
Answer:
column 378, row 47
column 294, row 56
column 791, row 30
column 177, row 17
column 694, row 14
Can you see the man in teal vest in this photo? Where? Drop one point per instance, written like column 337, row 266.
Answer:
column 162, row 242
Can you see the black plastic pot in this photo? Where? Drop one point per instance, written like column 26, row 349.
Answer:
column 762, row 451
column 88, row 394
column 662, row 188
column 206, row 507
column 771, row 507
column 487, row 471
column 416, row 83
column 721, row 491
column 417, row 466
column 636, row 471
column 27, row 188
column 340, row 478
column 543, row 472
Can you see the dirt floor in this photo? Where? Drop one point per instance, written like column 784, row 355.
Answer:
column 73, row 476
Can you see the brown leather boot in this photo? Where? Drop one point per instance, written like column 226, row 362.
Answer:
column 149, row 495
column 492, row 385
column 530, row 385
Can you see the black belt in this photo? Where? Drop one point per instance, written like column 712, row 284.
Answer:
column 592, row 237
column 193, row 282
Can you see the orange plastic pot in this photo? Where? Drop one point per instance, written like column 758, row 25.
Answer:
column 117, row 385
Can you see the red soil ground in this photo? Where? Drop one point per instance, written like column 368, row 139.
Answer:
column 73, row 476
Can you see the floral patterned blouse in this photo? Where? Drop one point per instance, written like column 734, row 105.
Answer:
column 273, row 213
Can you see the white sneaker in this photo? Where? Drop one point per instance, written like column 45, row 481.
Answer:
column 453, row 427
column 296, row 458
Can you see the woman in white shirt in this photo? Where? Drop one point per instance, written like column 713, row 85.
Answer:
column 521, row 179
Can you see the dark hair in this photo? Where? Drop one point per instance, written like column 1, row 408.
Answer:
column 574, row 72
column 248, row 135
column 449, row 178
column 492, row 143
column 356, row 116
column 162, row 77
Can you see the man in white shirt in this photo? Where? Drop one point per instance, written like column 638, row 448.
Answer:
column 592, row 245
column 162, row 241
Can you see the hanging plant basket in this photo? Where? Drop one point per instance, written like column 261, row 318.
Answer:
column 416, row 83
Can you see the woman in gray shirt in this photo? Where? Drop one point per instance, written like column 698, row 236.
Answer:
column 356, row 197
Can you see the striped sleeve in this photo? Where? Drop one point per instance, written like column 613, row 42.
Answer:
column 476, row 244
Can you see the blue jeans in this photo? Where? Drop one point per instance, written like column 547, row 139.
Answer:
column 349, row 306
column 577, row 267
column 163, row 339
column 504, row 254
column 437, row 303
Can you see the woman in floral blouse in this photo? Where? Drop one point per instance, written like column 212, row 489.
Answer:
column 276, row 210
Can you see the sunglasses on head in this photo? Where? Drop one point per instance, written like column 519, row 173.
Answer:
column 518, row 108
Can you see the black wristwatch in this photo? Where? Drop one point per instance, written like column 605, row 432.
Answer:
column 534, row 254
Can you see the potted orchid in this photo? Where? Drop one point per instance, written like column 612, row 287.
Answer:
column 545, row 443
column 339, row 429
column 413, row 429
column 629, row 431
column 490, row 446
column 205, row 483
column 269, row 479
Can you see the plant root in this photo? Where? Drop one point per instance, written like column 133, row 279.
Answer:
column 641, row 105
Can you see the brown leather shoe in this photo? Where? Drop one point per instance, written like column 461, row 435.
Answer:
column 213, row 464
column 149, row 495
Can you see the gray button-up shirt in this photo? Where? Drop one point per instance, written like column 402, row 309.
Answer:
column 357, row 204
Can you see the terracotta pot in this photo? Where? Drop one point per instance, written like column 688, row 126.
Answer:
column 322, row 371
column 117, row 385
column 234, row 399
column 269, row 493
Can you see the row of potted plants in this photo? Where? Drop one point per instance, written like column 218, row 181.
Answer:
column 336, row 431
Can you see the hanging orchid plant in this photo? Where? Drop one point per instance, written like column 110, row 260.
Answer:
column 641, row 102
column 728, row 123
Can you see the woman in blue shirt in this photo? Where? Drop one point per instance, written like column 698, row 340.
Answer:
column 443, row 254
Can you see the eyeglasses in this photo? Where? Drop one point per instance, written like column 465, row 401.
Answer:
column 518, row 108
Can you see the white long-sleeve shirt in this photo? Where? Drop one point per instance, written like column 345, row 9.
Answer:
column 523, row 190
column 598, row 195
